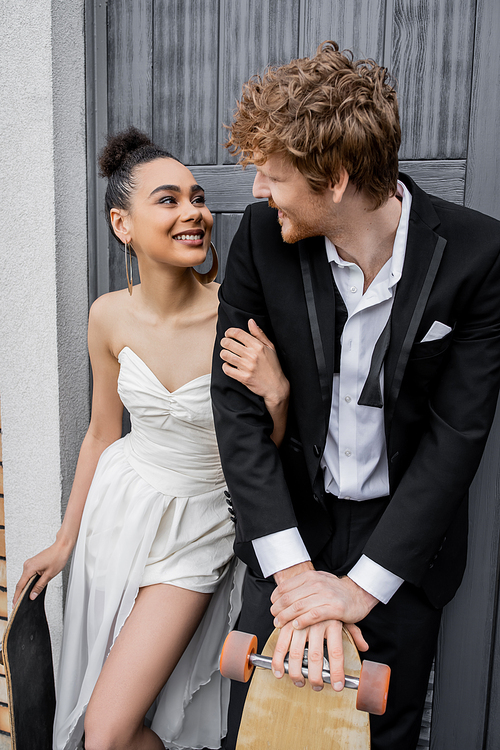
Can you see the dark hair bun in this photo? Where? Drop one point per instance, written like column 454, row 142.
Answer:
column 118, row 148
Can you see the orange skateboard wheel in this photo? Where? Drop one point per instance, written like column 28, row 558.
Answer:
column 373, row 687
column 235, row 657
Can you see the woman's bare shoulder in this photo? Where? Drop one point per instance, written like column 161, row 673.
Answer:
column 108, row 314
column 109, row 305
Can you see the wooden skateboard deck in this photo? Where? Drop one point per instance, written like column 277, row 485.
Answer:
column 279, row 716
column 27, row 656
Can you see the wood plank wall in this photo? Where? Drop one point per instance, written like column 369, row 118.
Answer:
column 174, row 68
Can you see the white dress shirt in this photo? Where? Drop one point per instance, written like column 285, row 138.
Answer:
column 354, row 461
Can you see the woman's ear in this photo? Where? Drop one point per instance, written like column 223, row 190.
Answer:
column 120, row 221
column 338, row 189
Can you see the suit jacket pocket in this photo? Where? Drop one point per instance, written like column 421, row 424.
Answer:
column 426, row 349
column 425, row 365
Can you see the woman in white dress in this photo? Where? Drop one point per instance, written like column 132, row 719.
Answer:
column 153, row 588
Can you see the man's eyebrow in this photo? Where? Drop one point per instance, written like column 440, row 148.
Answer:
column 174, row 189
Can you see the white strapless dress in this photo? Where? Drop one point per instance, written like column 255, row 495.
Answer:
column 155, row 513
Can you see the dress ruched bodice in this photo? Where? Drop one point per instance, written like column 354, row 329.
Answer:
column 172, row 444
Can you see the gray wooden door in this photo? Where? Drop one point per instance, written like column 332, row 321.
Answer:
column 174, row 68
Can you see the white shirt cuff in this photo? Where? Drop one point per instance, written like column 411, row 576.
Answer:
column 376, row 580
column 280, row 550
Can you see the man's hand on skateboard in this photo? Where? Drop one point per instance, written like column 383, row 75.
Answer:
column 310, row 605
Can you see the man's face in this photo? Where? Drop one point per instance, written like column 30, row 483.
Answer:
column 301, row 211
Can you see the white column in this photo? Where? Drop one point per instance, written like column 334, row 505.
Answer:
column 43, row 273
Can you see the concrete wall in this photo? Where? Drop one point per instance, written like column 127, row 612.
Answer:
column 43, row 273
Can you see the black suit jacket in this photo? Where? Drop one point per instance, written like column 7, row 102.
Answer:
column 439, row 398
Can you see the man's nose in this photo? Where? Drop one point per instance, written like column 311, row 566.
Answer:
column 260, row 187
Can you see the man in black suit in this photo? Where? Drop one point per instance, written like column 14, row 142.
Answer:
column 383, row 304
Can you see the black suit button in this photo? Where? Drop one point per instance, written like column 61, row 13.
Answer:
column 431, row 565
column 227, row 494
column 316, row 498
column 317, row 451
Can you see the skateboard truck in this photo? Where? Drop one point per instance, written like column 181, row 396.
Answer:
column 239, row 657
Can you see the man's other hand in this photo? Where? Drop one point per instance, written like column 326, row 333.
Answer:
column 311, row 606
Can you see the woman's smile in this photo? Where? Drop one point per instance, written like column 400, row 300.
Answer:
column 194, row 237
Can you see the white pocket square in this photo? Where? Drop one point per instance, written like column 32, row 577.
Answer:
column 436, row 331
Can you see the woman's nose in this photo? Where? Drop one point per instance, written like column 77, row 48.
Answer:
column 191, row 211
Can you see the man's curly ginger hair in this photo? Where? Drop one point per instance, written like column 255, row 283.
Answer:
column 323, row 113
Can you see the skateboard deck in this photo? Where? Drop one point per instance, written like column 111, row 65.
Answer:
column 279, row 716
column 27, row 657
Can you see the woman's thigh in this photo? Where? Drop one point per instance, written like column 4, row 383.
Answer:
column 151, row 642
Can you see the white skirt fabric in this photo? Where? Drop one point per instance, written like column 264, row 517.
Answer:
column 111, row 561
column 155, row 513
column 132, row 535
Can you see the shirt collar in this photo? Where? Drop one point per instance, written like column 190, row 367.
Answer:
column 399, row 247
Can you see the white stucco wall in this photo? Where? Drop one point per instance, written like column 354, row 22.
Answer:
column 43, row 273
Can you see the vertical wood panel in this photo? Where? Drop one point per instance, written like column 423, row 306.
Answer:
column 465, row 641
column 432, row 62
column 130, row 49
column 96, row 63
column 493, row 714
column 482, row 193
column 185, row 65
column 357, row 25
column 257, row 33
column 228, row 224
column 482, row 189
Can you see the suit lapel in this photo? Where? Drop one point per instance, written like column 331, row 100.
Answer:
column 320, row 301
column 424, row 251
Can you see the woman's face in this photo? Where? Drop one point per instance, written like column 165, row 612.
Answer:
column 168, row 221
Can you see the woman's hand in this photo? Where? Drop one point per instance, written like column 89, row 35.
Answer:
column 251, row 359
column 47, row 564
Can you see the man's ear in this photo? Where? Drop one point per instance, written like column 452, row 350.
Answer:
column 338, row 188
column 120, row 221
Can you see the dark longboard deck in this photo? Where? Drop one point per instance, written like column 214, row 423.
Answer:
column 27, row 656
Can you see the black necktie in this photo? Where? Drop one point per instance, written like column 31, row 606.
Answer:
column 371, row 394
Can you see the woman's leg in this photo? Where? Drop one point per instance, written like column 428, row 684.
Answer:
column 150, row 644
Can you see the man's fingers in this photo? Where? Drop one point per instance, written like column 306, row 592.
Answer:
column 281, row 650
column 304, row 612
column 295, row 589
column 357, row 636
column 296, row 657
column 336, row 654
column 315, row 656
column 310, row 580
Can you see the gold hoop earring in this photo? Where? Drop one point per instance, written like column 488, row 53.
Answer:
column 206, row 278
column 129, row 269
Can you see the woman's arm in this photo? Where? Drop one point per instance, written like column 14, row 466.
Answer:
column 251, row 359
column 105, row 427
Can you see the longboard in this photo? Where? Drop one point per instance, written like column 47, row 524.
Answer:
column 279, row 716
column 27, row 657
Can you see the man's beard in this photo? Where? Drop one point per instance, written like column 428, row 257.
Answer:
column 298, row 230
